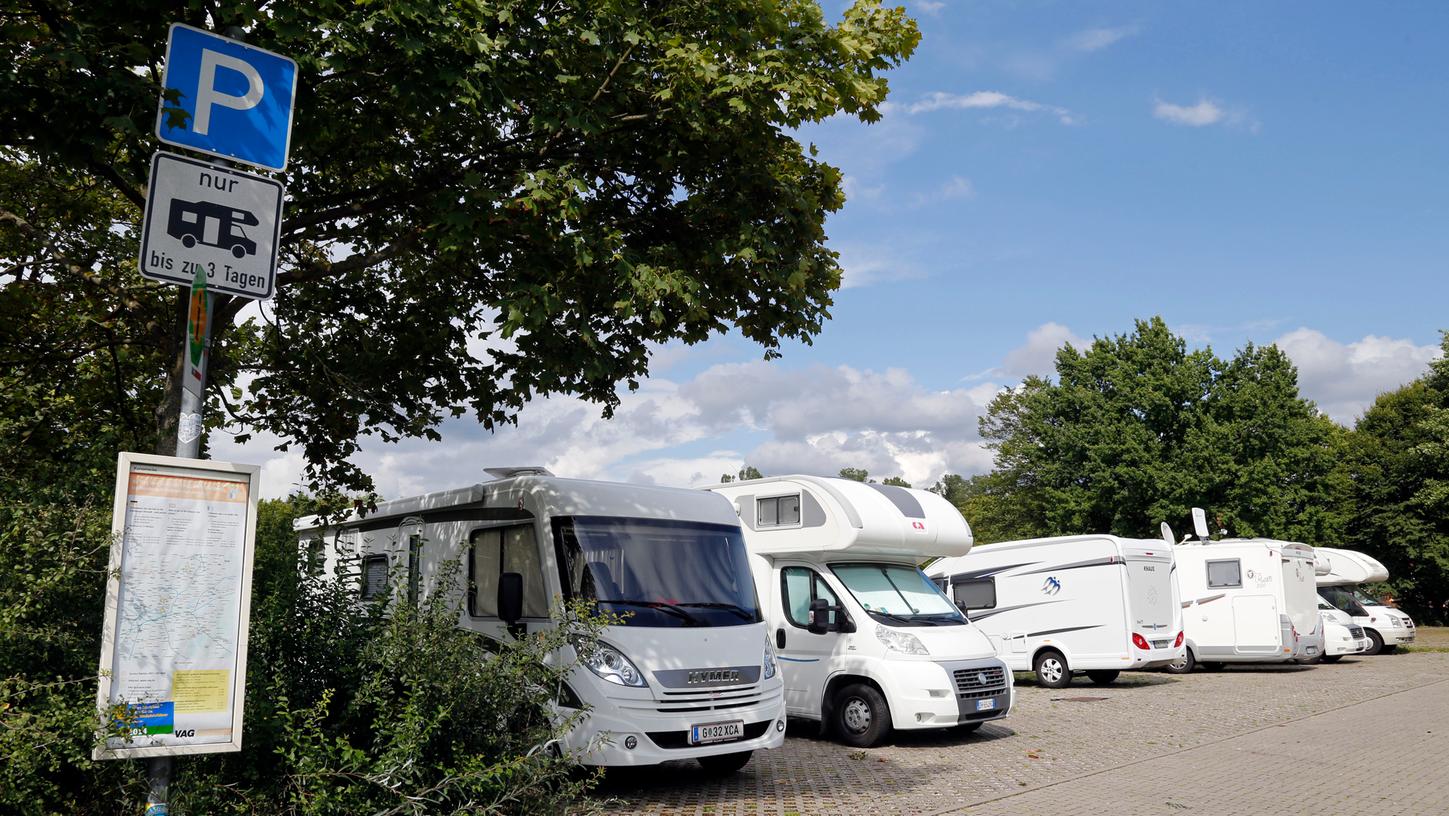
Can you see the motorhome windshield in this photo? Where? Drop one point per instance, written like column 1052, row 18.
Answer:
column 658, row 573
column 1367, row 599
column 898, row 595
column 1343, row 599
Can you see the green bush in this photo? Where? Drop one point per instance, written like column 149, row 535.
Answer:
column 384, row 708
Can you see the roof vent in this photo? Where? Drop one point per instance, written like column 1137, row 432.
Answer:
column 510, row 472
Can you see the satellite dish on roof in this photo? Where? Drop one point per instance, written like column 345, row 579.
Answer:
column 1167, row 534
column 510, row 472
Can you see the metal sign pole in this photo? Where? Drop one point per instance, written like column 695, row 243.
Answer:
column 188, row 444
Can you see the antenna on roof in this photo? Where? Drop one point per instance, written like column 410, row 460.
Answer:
column 510, row 472
column 1199, row 523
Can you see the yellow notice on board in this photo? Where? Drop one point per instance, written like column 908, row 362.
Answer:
column 199, row 690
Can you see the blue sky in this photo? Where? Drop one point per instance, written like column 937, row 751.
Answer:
column 1048, row 172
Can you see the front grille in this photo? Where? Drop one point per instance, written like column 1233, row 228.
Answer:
column 971, row 682
column 1355, row 632
column 1161, row 644
column 680, row 739
column 712, row 699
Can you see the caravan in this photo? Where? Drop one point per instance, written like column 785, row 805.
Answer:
column 1247, row 600
column 866, row 642
column 1093, row 604
column 1385, row 627
column 687, row 673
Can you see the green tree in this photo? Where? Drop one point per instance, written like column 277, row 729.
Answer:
column 486, row 204
column 994, row 509
column 1399, row 458
column 855, row 474
column 747, row 472
column 1136, row 430
column 897, row 481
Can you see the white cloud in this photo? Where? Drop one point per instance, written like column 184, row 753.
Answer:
column 1095, row 39
column 931, row 7
column 1205, row 112
column 1344, row 379
column 866, row 265
column 986, row 100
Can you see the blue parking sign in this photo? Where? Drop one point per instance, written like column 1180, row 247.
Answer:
column 235, row 100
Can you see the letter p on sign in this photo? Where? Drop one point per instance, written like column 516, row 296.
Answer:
column 227, row 98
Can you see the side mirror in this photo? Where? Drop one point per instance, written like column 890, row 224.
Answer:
column 510, row 597
column 819, row 616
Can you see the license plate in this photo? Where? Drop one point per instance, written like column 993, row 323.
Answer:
column 716, row 732
column 987, row 704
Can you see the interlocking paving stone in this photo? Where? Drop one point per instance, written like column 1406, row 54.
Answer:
column 1058, row 756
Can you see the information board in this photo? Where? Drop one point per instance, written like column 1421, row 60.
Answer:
column 174, row 643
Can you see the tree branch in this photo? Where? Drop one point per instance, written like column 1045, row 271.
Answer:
column 318, row 270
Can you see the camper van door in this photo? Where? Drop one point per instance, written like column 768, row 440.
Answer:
column 807, row 653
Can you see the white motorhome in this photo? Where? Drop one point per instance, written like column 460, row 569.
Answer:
column 1247, row 601
column 1093, row 604
column 1341, row 636
column 688, row 673
column 866, row 642
column 1385, row 626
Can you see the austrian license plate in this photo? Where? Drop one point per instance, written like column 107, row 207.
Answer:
column 987, row 704
column 716, row 732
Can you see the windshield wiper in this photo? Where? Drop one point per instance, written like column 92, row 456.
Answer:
column 728, row 607
column 660, row 605
column 902, row 618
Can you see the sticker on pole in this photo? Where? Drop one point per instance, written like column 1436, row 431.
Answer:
column 230, row 99
column 222, row 221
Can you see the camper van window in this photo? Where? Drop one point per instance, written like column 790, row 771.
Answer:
column 802, row 585
column 978, row 593
column 778, row 511
column 500, row 550
column 1224, row 573
column 898, row 595
column 374, row 576
column 1342, row 598
column 657, row 572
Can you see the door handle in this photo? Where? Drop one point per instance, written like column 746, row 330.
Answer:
column 780, row 638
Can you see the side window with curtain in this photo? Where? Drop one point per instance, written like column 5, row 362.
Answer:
column 800, row 586
column 975, row 593
column 374, row 577
column 1224, row 573
column 499, row 550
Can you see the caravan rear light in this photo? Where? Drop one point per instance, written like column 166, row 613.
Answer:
column 1141, row 642
column 1178, row 642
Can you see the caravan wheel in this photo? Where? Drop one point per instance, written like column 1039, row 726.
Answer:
column 861, row 716
column 1376, row 642
column 1052, row 670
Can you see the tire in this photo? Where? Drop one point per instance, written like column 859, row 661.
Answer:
column 1376, row 642
column 1332, row 658
column 188, row 241
column 1185, row 665
column 724, row 764
column 238, row 251
column 1052, row 670
column 1104, row 676
column 860, row 716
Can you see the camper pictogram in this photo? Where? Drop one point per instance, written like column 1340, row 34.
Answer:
column 211, row 224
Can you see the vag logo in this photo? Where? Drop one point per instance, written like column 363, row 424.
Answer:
column 186, row 734
column 1051, row 586
column 714, row 676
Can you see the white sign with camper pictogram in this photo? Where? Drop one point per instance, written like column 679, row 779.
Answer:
column 226, row 221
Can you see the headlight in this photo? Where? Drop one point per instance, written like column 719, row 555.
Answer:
column 611, row 664
column 897, row 641
column 769, row 660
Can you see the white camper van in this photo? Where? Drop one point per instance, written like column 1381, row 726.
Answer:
column 1341, row 636
column 1385, row 626
column 1247, row 601
column 1096, row 604
column 866, row 642
column 689, row 673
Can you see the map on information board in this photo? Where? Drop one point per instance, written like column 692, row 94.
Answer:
column 173, row 661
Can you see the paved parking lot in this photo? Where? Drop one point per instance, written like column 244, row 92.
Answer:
column 1363, row 733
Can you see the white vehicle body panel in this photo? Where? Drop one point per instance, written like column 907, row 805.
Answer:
column 1349, row 569
column 1249, row 600
column 419, row 536
column 844, row 524
column 1083, row 596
